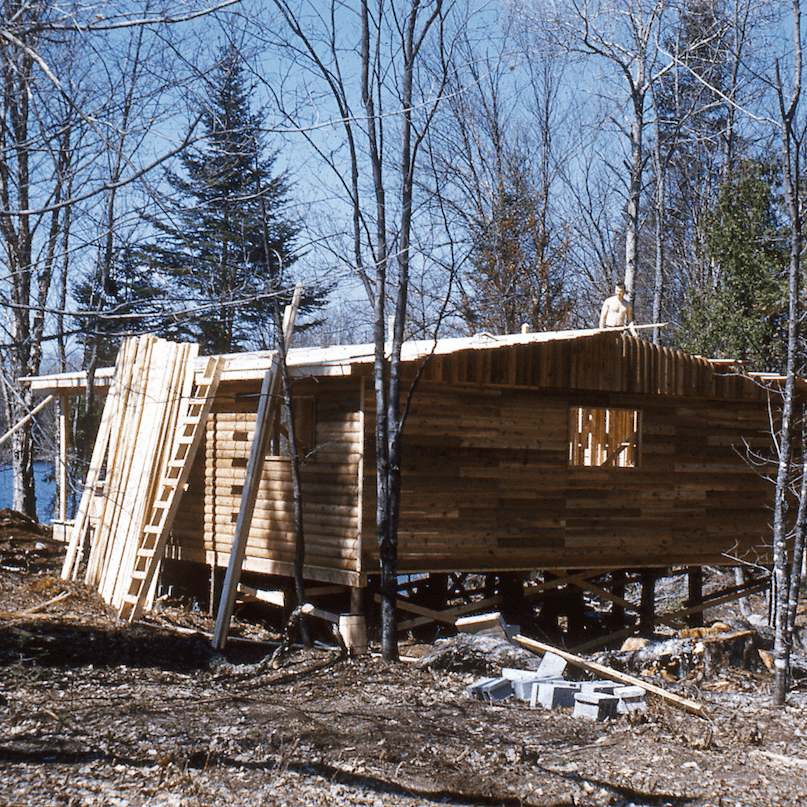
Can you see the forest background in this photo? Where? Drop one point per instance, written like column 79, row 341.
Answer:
column 424, row 167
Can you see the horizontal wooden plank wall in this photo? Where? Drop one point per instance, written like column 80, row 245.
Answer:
column 330, row 475
column 487, row 483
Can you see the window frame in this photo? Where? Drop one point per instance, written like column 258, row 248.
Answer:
column 607, row 437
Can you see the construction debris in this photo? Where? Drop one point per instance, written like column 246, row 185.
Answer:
column 487, row 625
column 478, row 654
column 614, row 675
column 593, row 700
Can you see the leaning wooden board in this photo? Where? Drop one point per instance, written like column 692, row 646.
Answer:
column 606, row 672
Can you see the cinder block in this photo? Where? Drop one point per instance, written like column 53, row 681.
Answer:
column 606, row 687
column 497, row 690
column 475, row 689
column 554, row 694
column 594, row 705
column 524, row 681
column 630, row 692
column 524, row 689
column 512, row 674
column 490, row 689
column 552, row 666
column 630, row 699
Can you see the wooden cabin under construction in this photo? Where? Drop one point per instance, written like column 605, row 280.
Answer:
column 587, row 450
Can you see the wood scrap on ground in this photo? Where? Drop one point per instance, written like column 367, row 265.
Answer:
column 36, row 608
column 590, row 666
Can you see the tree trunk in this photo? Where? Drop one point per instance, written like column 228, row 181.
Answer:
column 791, row 178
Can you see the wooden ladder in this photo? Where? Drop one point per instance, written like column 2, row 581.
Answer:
column 161, row 511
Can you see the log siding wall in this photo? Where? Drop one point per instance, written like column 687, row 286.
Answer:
column 487, row 479
column 330, row 481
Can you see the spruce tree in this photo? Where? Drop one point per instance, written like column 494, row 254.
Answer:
column 224, row 245
column 743, row 314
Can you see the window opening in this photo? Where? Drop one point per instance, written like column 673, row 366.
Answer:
column 601, row 438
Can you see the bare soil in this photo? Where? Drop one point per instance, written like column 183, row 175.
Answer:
column 98, row 712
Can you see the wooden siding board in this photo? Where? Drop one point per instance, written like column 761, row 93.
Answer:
column 486, row 478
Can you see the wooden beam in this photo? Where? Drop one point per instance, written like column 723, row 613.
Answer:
column 449, row 616
column 20, row 423
column 532, row 591
column 720, row 597
column 260, row 445
column 606, row 672
column 664, row 619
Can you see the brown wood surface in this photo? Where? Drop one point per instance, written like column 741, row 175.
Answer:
column 486, row 479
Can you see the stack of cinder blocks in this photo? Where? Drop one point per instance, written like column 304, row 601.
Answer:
column 521, row 683
column 546, row 687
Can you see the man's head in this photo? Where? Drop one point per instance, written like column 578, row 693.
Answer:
column 619, row 290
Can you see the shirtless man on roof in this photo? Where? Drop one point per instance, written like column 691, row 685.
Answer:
column 616, row 313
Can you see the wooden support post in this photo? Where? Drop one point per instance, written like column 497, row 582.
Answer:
column 618, row 590
column 356, row 600
column 260, row 445
column 511, row 589
column 64, row 414
column 647, row 608
column 490, row 585
column 695, row 587
column 436, row 592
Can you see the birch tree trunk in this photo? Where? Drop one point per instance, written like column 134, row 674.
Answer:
column 791, row 176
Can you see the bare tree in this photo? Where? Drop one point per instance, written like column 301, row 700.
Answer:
column 787, row 568
column 624, row 37
column 364, row 59
column 495, row 169
column 58, row 125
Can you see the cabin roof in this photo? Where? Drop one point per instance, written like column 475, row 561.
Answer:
column 345, row 360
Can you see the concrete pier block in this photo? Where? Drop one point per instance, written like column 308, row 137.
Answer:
column 594, row 705
column 490, row 689
column 607, row 687
column 554, row 694
column 552, row 666
column 630, row 699
column 475, row 689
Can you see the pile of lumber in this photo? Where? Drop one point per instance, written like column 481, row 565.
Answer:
column 152, row 423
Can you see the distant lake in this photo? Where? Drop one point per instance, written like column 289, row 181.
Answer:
column 45, row 489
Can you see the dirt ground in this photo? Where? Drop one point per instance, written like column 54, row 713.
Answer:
column 98, row 712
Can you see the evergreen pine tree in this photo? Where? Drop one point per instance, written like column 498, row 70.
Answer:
column 224, row 245
column 744, row 314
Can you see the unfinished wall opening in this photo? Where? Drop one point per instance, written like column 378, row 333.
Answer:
column 600, row 437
